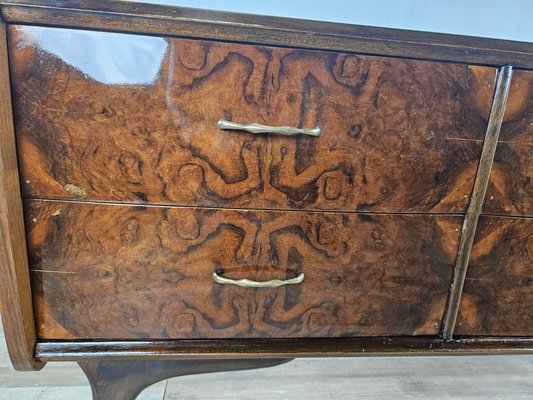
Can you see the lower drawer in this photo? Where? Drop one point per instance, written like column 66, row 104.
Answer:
column 125, row 272
column 498, row 293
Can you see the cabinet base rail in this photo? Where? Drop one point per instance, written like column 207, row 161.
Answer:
column 275, row 348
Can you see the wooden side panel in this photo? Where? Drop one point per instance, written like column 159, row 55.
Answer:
column 498, row 292
column 111, row 272
column 15, row 296
column 142, row 126
column 511, row 188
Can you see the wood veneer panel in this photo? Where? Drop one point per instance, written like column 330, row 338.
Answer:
column 15, row 296
column 511, row 186
column 398, row 135
column 498, row 292
column 111, row 272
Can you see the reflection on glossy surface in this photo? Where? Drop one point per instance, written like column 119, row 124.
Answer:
column 122, row 59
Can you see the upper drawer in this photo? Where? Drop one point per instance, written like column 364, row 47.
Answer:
column 116, row 117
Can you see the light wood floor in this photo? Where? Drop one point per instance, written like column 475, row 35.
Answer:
column 457, row 378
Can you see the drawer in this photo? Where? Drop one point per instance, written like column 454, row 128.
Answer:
column 510, row 190
column 115, row 271
column 498, row 291
column 133, row 118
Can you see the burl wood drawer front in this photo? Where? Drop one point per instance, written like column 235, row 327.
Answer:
column 511, row 186
column 498, row 292
column 146, row 272
column 114, row 117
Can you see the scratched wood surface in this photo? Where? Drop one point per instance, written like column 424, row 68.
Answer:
column 511, row 187
column 398, row 135
column 102, row 271
column 498, row 292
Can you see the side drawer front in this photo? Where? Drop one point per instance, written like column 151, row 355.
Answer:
column 130, row 118
column 510, row 191
column 109, row 272
column 498, row 293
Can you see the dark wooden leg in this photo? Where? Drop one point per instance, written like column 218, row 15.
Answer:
column 124, row 380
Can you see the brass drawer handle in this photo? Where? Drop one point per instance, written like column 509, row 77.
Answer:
column 258, row 128
column 257, row 284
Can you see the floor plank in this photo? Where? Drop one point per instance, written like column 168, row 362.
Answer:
column 443, row 378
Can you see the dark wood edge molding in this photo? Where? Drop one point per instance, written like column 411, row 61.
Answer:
column 271, row 348
column 15, row 293
column 503, row 84
column 246, row 28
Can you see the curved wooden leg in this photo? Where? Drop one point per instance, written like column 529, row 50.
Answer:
column 124, row 380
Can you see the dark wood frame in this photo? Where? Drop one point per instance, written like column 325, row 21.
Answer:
column 246, row 28
column 27, row 352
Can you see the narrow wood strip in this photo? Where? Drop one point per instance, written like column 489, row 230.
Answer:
column 188, row 207
column 258, row 348
column 15, row 293
column 501, row 91
column 287, row 32
column 498, row 215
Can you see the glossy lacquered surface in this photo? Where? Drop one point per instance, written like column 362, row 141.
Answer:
column 141, row 126
column 131, row 272
column 402, row 136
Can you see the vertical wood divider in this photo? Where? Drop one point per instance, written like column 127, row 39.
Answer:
column 15, row 292
column 499, row 100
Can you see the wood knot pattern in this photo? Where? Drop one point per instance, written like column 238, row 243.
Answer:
column 498, row 292
column 398, row 135
column 510, row 190
column 125, row 272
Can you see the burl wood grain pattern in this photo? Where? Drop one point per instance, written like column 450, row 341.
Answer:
column 511, row 187
column 393, row 130
column 108, row 272
column 498, row 293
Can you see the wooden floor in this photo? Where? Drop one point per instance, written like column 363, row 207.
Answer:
column 464, row 378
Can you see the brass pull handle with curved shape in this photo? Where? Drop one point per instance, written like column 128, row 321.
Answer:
column 274, row 283
column 259, row 128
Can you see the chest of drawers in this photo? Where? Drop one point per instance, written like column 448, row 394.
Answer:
column 188, row 191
